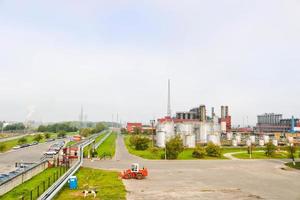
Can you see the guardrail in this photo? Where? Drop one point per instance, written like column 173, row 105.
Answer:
column 56, row 187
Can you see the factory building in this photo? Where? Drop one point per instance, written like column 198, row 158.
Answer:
column 270, row 122
column 194, row 126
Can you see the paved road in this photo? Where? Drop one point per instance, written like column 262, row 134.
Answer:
column 206, row 179
column 29, row 154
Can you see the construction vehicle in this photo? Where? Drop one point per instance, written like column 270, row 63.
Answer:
column 134, row 172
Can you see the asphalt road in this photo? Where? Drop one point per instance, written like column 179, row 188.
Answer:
column 205, row 179
column 29, row 154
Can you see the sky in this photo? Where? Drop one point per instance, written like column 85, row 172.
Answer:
column 115, row 58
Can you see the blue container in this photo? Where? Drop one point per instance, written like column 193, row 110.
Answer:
column 73, row 184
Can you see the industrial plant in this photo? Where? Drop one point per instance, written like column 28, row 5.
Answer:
column 194, row 126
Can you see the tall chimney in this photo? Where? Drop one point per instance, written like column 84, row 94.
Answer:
column 226, row 111
column 212, row 112
column 202, row 113
column 222, row 112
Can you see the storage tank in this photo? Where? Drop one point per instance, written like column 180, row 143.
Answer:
column 223, row 126
column 252, row 138
column 291, row 139
column 214, row 139
column 266, row 139
column 203, row 132
column 234, row 143
column 185, row 128
column 275, row 142
column 160, row 139
column 248, row 142
column 229, row 136
column 238, row 139
column 261, row 142
column 190, row 141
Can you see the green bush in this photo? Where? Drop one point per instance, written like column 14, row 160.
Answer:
column 38, row 137
column 139, row 142
column 213, row 150
column 270, row 149
column 47, row 135
column 199, row 152
column 292, row 150
column 22, row 140
column 2, row 147
column 174, row 147
column 61, row 134
column 154, row 150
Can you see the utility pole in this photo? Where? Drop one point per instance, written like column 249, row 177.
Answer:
column 152, row 129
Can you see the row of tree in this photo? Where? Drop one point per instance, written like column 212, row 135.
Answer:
column 85, row 132
column 57, row 127
column 13, row 127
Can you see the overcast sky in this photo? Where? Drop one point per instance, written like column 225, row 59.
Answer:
column 116, row 57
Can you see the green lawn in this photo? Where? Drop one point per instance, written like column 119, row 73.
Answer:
column 107, row 183
column 262, row 155
column 71, row 143
column 292, row 166
column 32, row 185
column 157, row 155
column 88, row 148
column 108, row 146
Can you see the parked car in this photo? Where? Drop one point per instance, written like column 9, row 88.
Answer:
column 16, row 147
column 34, row 143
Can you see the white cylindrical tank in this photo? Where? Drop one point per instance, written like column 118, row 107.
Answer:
column 223, row 126
column 238, row 139
column 190, row 141
column 229, row 136
column 252, row 138
column 261, row 142
column 234, row 143
column 290, row 139
column 275, row 142
column 214, row 139
column 266, row 139
column 185, row 128
column 160, row 139
column 248, row 142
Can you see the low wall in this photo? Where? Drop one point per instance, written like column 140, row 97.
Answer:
column 21, row 178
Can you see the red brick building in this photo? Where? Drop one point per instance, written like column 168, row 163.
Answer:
column 131, row 126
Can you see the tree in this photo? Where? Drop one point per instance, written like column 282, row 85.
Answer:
column 270, row 149
column 139, row 142
column 2, row 147
column 85, row 132
column 42, row 128
column 174, row 147
column 61, row 134
column 213, row 150
column 137, row 131
column 47, row 135
column 199, row 152
column 100, row 127
column 22, row 140
column 124, row 131
column 38, row 137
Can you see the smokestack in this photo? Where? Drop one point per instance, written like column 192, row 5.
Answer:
column 202, row 113
column 212, row 112
column 222, row 112
column 226, row 111
column 169, row 99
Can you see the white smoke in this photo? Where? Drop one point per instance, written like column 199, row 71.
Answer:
column 30, row 112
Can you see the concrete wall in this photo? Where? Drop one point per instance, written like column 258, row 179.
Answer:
column 28, row 174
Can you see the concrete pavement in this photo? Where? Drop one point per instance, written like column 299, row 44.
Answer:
column 205, row 179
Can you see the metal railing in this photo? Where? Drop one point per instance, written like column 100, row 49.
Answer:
column 56, row 187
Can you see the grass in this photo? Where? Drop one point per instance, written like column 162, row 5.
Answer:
column 262, row 155
column 31, row 185
column 292, row 166
column 71, row 143
column 88, row 148
column 108, row 147
column 157, row 155
column 107, row 183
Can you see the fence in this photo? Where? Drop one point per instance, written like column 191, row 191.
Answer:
column 8, row 185
column 43, row 185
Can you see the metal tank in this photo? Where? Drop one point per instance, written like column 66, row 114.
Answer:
column 185, row 128
column 223, row 126
column 275, row 142
column 229, row 136
column 214, row 139
column 261, row 142
column 234, row 143
column 252, row 138
column 190, row 141
column 266, row 139
column 238, row 139
column 160, row 139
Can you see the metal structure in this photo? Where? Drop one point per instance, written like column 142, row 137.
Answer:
column 56, row 187
column 169, row 112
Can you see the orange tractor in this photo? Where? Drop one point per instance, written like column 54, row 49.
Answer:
column 134, row 172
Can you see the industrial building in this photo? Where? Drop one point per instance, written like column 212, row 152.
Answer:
column 270, row 122
column 194, row 126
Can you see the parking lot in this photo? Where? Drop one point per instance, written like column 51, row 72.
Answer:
column 206, row 179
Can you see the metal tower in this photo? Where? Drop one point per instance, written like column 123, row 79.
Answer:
column 169, row 99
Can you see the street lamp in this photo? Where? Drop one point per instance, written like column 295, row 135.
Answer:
column 152, row 129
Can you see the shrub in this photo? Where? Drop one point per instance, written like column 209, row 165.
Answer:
column 270, row 149
column 174, row 147
column 154, row 150
column 61, row 134
column 38, row 137
column 22, row 140
column 47, row 135
column 199, row 152
column 139, row 142
column 213, row 150
column 2, row 147
column 291, row 150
